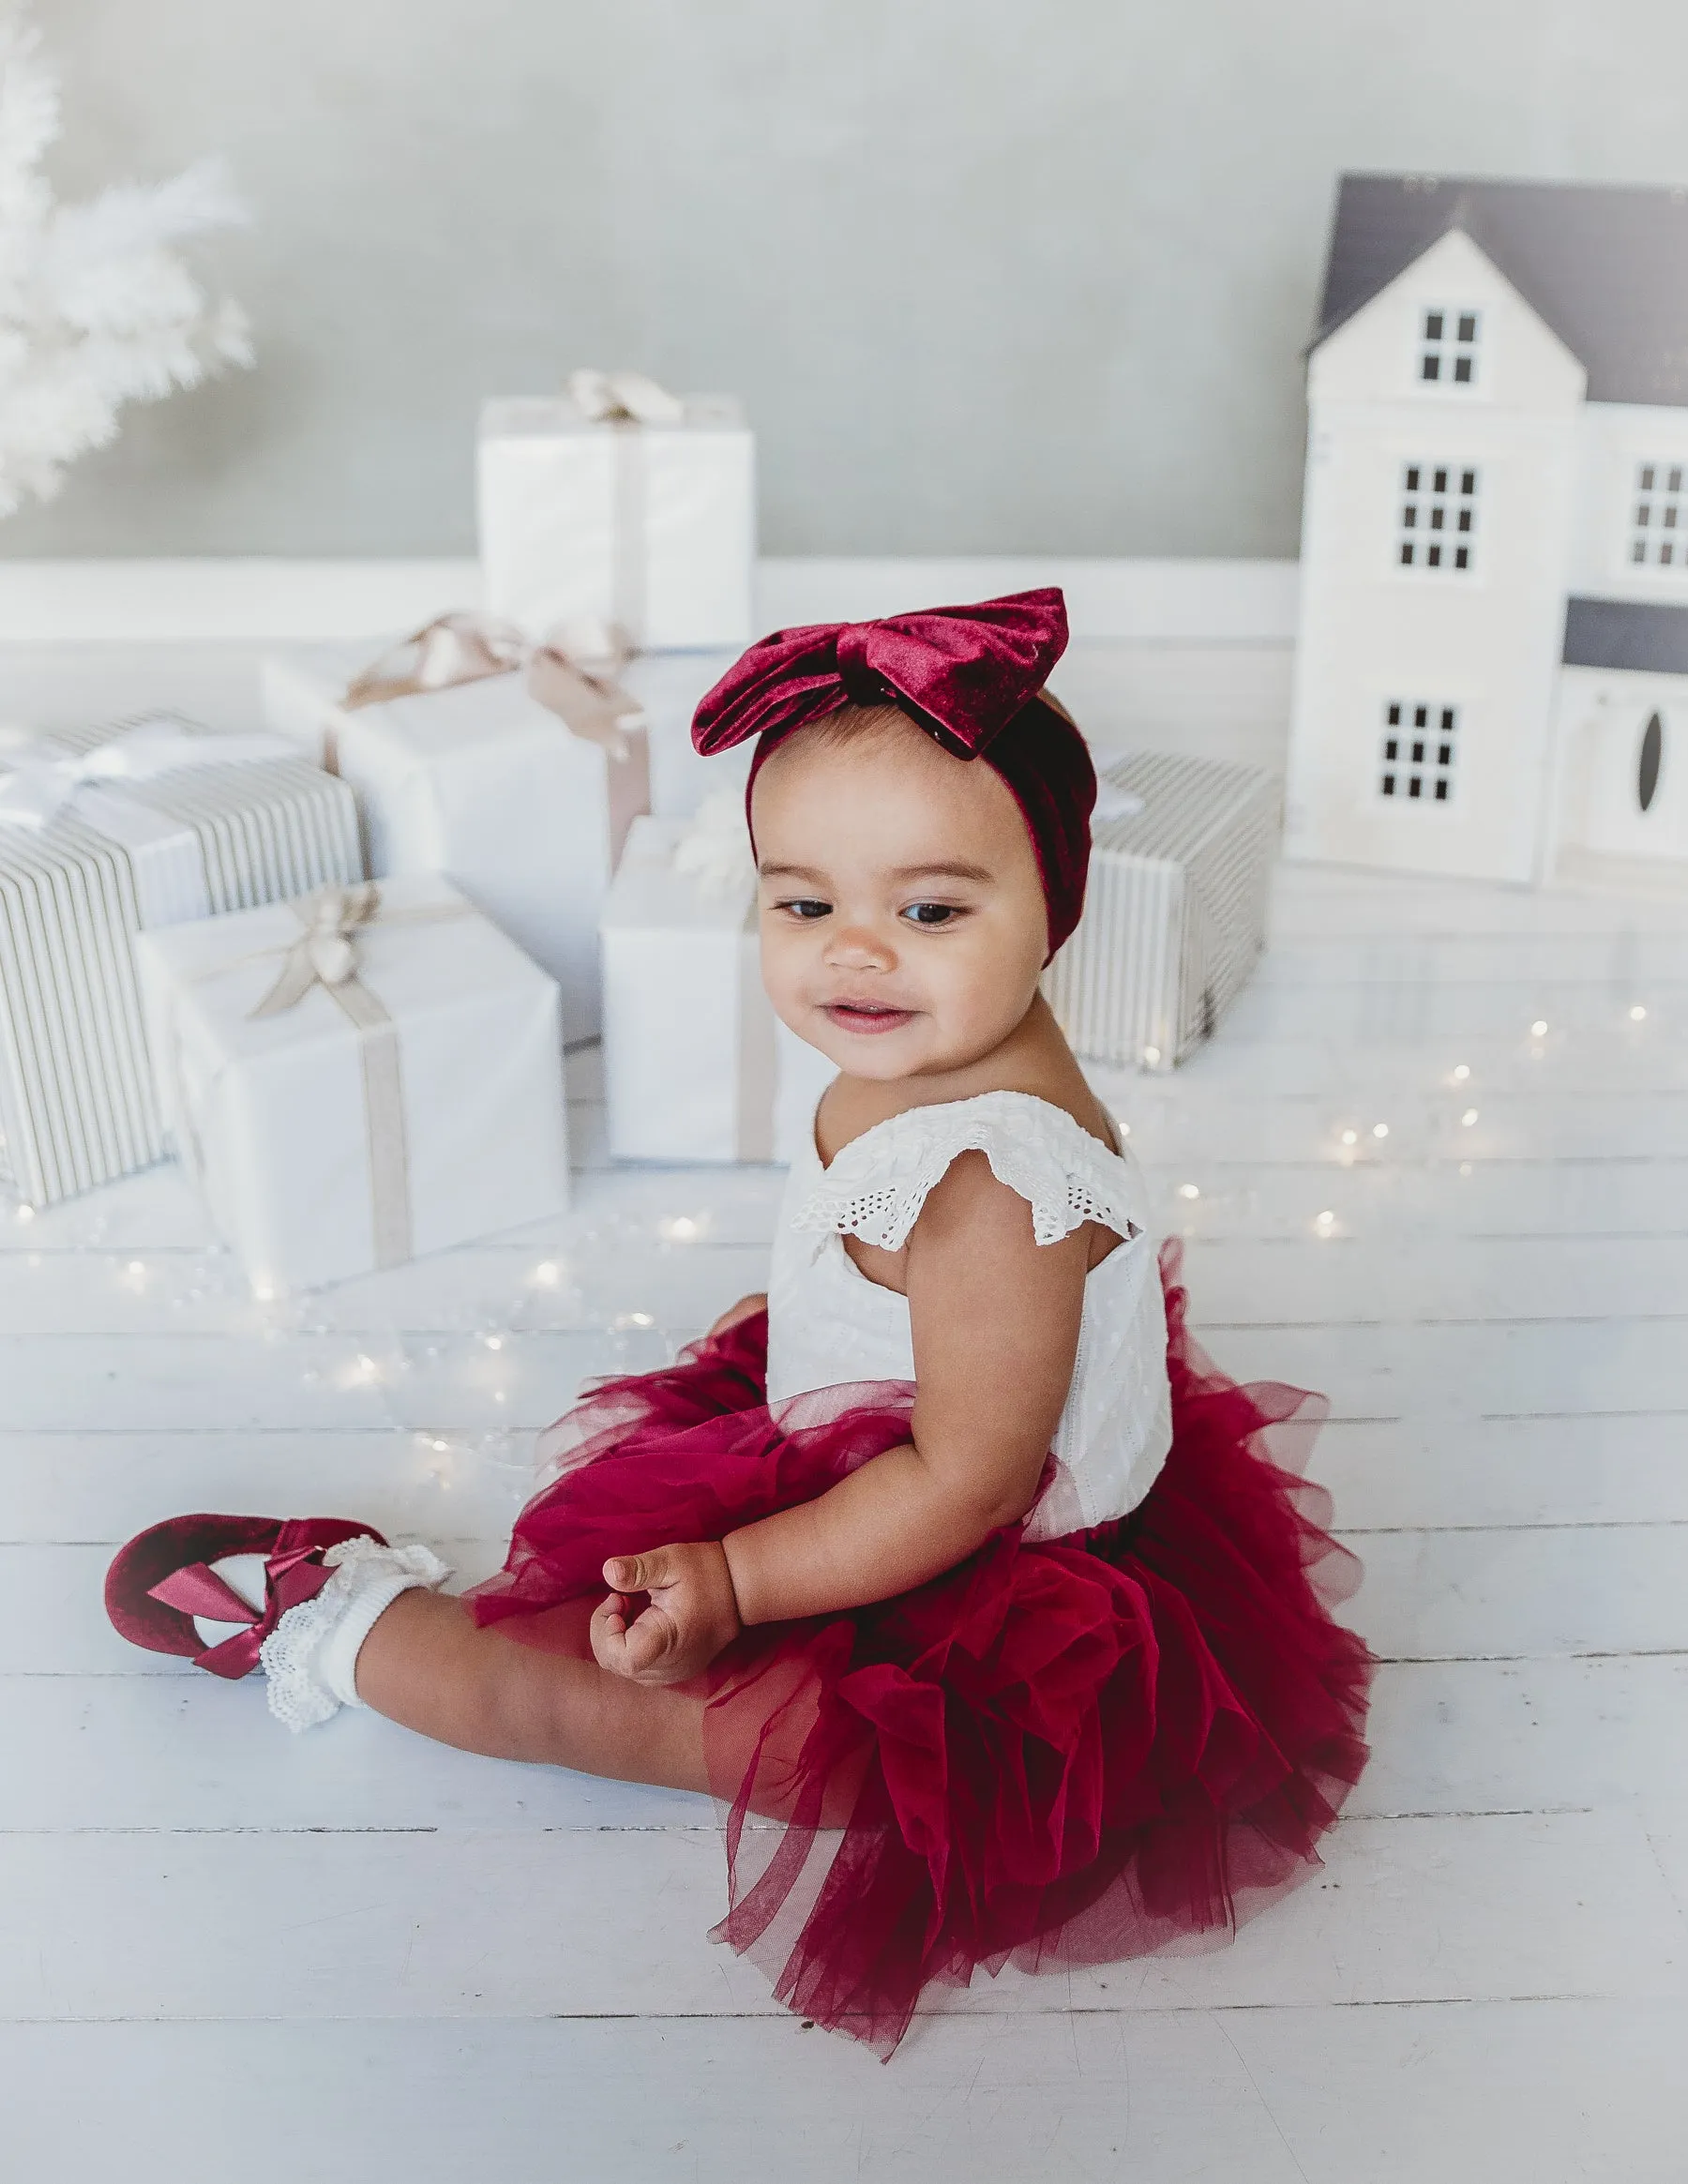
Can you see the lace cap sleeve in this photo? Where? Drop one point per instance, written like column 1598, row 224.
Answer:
column 876, row 1187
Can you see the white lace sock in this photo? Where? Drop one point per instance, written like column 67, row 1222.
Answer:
column 310, row 1657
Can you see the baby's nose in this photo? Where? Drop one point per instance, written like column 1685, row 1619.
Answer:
column 861, row 948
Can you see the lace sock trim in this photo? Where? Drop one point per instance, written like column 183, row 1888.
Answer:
column 310, row 1657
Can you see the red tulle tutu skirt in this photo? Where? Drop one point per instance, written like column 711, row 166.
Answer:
column 1067, row 1752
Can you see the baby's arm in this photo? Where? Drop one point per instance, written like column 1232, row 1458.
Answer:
column 995, row 1321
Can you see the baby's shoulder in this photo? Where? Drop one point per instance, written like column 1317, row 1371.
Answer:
column 877, row 1184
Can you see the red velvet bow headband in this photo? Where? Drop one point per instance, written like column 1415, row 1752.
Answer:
column 972, row 677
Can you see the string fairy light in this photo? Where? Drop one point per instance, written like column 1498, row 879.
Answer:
column 1638, row 1015
column 1461, row 1071
column 1539, row 1029
column 1380, row 1129
column 681, row 1229
column 1351, row 1136
column 1189, row 1190
column 1469, row 1118
column 546, row 1274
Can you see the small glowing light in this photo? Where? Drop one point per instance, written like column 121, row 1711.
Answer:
column 1638, row 1015
column 548, row 1273
column 1469, row 1118
column 493, row 1341
column 27, row 1214
column 264, row 1292
column 1539, row 1029
column 1189, row 1190
column 1351, row 1136
column 640, row 1319
column 1380, row 1129
column 441, row 1448
column 498, row 1394
column 1151, row 1055
column 1461, row 1071
column 136, row 1266
column 1325, row 1220
column 1465, row 1167
column 681, row 1229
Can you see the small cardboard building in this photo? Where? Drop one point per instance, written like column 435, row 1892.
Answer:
column 1492, row 676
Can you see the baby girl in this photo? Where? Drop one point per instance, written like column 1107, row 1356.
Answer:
column 951, row 1557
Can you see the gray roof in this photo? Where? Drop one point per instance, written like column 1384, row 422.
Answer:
column 1627, row 633
column 1607, row 268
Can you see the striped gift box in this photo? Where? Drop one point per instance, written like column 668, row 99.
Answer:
column 1175, row 913
column 77, row 1103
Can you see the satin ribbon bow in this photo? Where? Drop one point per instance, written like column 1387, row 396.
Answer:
column 574, row 671
column 324, row 954
column 289, row 1576
column 963, row 673
column 622, row 397
column 40, row 781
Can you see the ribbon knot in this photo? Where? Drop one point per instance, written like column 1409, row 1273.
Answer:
column 622, row 397
column 40, row 779
column 324, row 954
column 293, row 1572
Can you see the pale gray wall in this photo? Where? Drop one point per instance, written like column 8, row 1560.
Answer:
column 993, row 274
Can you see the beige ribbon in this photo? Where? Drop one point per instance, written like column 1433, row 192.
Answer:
column 714, row 854
column 574, row 673
column 326, row 954
column 628, row 402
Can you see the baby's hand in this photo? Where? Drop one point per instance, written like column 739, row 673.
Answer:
column 692, row 1613
column 756, row 1301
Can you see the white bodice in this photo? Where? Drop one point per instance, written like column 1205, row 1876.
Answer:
column 828, row 1324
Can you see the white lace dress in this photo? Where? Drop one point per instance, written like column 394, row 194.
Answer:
column 828, row 1324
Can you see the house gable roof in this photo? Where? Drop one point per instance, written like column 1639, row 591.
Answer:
column 1605, row 267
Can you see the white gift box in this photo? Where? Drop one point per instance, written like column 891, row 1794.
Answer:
column 650, row 527
column 696, row 1064
column 104, row 832
column 416, row 1106
column 481, row 782
column 1175, row 910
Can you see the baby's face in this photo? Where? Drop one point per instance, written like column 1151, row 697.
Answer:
column 903, row 925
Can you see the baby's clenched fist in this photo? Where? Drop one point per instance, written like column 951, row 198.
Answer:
column 690, row 1615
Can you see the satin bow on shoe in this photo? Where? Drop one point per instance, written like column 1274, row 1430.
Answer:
column 290, row 1575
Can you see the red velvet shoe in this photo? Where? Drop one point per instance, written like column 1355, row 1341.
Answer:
column 163, row 1578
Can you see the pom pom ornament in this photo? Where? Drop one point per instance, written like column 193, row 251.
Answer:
column 96, row 309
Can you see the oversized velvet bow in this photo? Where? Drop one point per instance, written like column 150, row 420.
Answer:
column 289, row 1576
column 965, row 672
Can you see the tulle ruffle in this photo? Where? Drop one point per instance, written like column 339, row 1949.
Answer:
column 1073, row 1751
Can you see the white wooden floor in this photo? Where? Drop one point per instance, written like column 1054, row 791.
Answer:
column 226, row 1950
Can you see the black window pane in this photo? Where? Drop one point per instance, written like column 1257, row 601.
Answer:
column 1462, row 559
column 1432, row 368
column 1433, row 556
column 1440, row 481
column 1462, row 370
column 1410, row 516
column 1412, row 478
column 1675, row 481
column 1433, row 325
column 1444, row 756
column 1468, row 481
column 1468, row 326
column 1671, row 515
column 1465, row 518
column 1414, row 786
column 1389, row 784
column 1441, row 793
column 1644, row 515
column 1646, row 479
column 1639, row 552
column 1447, row 720
column 1437, row 516
column 1407, row 555
column 1421, row 715
column 1395, row 716
column 1392, row 749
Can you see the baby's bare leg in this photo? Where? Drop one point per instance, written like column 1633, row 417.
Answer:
column 541, row 1697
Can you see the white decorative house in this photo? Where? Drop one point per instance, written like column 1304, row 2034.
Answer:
column 1492, row 678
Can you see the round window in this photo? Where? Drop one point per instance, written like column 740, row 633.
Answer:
column 1652, row 753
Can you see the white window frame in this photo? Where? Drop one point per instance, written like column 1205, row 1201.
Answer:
column 1435, row 519
column 1657, row 517
column 1429, row 728
column 1448, row 348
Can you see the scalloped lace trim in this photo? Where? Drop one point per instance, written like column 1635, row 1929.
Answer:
column 309, row 1658
column 876, row 1186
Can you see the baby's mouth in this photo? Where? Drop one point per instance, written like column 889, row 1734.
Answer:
column 868, row 1017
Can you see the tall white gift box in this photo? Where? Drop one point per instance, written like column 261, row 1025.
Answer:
column 1175, row 910
column 358, row 1079
column 481, row 782
column 696, row 1064
column 619, row 503
column 105, row 831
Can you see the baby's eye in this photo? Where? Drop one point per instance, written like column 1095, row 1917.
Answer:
column 931, row 913
column 806, row 906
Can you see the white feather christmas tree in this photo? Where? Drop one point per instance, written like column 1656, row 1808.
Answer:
column 95, row 307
